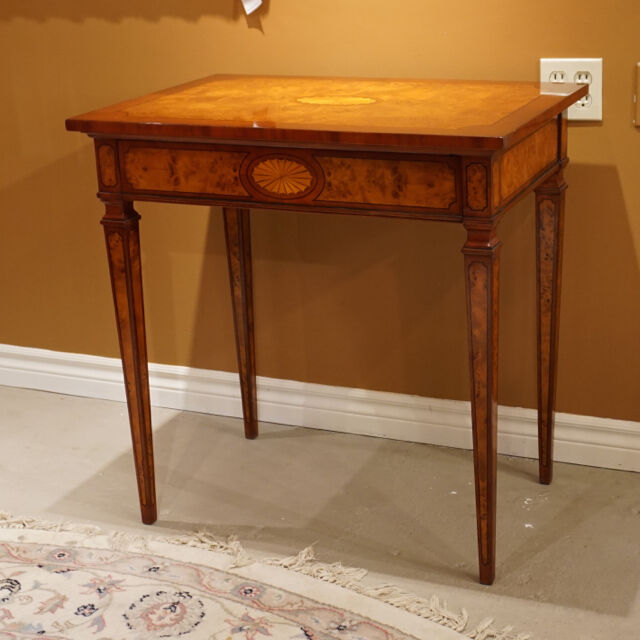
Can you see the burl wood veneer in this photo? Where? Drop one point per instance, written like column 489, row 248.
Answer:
column 183, row 170
column 423, row 149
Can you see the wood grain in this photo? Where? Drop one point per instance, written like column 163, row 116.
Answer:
column 281, row 176
column 339, row 112
column 238, row 237
column 388, row 182
column 107, row 169
column 549, row 234
column 482, row 268
column 476, row 186
column 120, row 224
column 527, row 159
column 306, row 176
column 184, row 170
column 495, row 182
column 564, row 136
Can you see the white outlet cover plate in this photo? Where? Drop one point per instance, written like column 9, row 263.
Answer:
column 570, row 67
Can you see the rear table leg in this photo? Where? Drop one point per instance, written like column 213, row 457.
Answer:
column 238, row 235
column 549, row 231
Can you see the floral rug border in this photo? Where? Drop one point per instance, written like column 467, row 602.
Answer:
column 230, row 555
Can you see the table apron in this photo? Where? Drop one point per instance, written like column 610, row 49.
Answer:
column 426, row 186
column 272, row 177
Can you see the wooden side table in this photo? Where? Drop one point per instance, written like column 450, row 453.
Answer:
column 429, row 150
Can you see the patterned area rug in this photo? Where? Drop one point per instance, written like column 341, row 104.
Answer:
column 61, row 581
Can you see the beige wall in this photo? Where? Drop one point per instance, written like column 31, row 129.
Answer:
column 339, row 300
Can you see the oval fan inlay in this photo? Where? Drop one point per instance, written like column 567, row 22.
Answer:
column 282, row 176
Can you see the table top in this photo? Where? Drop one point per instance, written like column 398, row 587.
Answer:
column 389, row 113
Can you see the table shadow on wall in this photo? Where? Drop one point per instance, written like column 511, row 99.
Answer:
column 599, row 355
column 116, row 10
column 344, row 300
column 379, row 304
column 362, row 289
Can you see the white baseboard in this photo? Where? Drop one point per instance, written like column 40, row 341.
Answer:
column 600, row 442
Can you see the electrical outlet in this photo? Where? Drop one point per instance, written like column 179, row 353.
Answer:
column 557, row 76
column 577, row 71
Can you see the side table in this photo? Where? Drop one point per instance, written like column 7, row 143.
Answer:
column 458, row 151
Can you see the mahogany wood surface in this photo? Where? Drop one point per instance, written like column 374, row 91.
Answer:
column 424, row 149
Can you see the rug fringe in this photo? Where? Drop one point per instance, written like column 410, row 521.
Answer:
column 205, row 540
column 9, row 521
column 304, row 563
column 351, row 578
column 484, row 631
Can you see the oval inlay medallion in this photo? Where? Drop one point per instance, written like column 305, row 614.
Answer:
column 285, row 177
column 336, row 100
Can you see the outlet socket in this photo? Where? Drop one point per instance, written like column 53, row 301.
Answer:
column 577, row 71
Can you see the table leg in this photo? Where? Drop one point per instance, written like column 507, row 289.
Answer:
column 482, row 265
column 123, row 250
column 549, row 230
column 238, row 234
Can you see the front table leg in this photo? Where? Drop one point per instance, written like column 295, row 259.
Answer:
column 549, row 228
column 482, row 265
column 123, row 250
column 238, row 234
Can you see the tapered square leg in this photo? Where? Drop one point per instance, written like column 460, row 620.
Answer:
column 549, row 230
column 123, row 251
column 238, row 235
column 482, row 265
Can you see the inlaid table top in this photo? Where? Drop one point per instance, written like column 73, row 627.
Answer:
column 418, row 114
